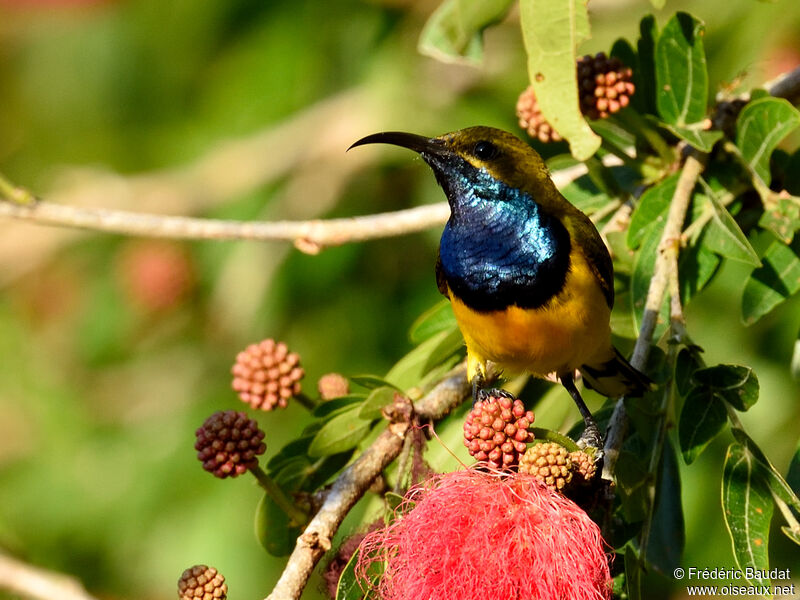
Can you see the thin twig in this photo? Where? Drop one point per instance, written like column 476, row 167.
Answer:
column 308, row 236
column 354, row 481
column 666, row 262
column 28, row 581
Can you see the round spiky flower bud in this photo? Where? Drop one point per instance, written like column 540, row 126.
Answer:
column 604, row 85
column 228, row 443
column 266, row 375
column 549, row 462
column 202, row 583
column 333, row 385
column 532, row 120
column 583, row 466
column 496, row 430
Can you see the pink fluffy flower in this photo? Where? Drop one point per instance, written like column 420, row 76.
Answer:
column 472, row 534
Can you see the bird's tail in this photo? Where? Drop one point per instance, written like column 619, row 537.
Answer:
column 615, row 377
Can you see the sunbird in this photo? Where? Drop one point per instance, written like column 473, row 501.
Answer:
column 529, row 278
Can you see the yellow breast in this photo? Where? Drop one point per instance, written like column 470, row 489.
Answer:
column 569, row 331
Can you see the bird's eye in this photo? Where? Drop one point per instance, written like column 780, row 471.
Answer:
column 485, row 150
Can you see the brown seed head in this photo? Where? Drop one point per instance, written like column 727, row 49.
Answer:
column 496, row 430
column 228, row 443
column 266, row 375
column 605, row 85
column 202, row 583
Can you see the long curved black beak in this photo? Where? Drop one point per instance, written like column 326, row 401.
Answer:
column 417, row 143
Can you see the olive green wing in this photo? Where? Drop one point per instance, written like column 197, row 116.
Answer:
column 586, row 236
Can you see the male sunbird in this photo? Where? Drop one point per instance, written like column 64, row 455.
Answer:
column 530, row 280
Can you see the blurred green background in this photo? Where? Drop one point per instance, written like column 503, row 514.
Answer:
column 113, row 350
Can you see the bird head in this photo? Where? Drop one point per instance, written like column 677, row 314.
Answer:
column 462, row 160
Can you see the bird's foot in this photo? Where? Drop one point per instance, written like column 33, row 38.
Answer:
column 485, row 394
column 591, row 438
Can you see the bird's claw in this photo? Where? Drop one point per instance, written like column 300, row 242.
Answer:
column 591, row 438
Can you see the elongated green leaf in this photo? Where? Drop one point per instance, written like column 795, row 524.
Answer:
column 454, row 32
column 703, row 417
column 438, row 317
column 644, row 77
column 725, row 237
column 350, row 588
column 688, row 361
column 681, row 74
column 651, row 209
column 736, row 384
column 747, row 508
column 643, row 267
column 667, row 535
column 377, row 399
column 295, row 448
column 370, row 381
column 633, row 574
column 767, row 471
column 776, row 280
column 761, row 125
column 552, row 32
column 342, row 432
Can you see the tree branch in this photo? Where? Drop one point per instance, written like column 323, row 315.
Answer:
column 354, row 481
column 28, row 581
column 666, row 268
column 308, row 236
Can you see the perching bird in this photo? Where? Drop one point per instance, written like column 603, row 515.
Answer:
column 530, row 280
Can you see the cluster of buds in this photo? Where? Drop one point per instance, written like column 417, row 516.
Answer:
column 228, row 443
column 556, row 467
column 605, row 86
column 332, row 386
column 202, row 583
column 496, row 430
column 266, row 375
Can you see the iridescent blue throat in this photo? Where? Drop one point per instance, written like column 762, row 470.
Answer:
column 499, row 248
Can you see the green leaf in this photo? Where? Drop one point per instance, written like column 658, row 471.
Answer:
column 454, row 32
column 410, row 369
column 633, row 574
column 686, row 364
column 438, row 317
column 782, row 219
column 736, row 384
column 651, row 210
column 760, row 127
column 295, row 448
column 351, row 588
column 747, row 508
column 697, row 264
column 370, row 381
column 342, row 432
column 552, row 32
column 793, row 473
column 548, row 435
column 776, row 280
column 725, row 237
column 632, row 486
column 767, row 471
column 585, row 195
column 667, row 535
column 697, row 136
column 272, row 528
column 337, row 405
column 377, row 399
column 643, row 267
column 681, row 75
column 644, row 77
column 703, row 417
